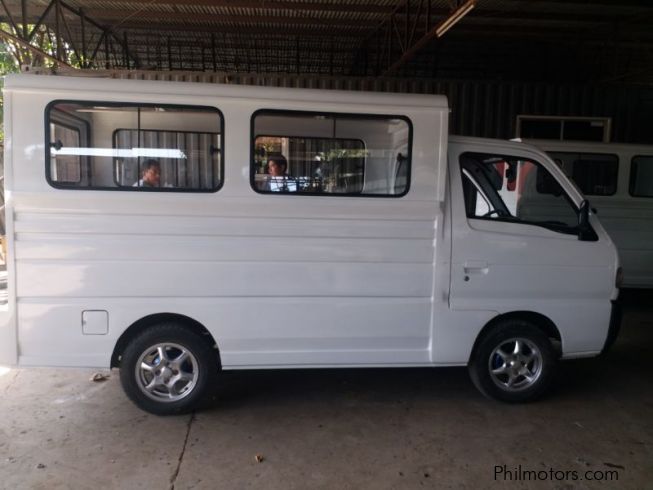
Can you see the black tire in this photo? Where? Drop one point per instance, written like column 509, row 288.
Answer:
column 201, row 364
column 538, row 373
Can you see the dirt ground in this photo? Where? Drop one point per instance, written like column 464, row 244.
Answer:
column 328, row 429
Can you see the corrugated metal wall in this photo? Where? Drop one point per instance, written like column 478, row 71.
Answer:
column 479, row 108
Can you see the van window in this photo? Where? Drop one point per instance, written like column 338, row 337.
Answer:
column 66, row 168
column 513, row 189
column 595, row 174
column 134, row 147
column 69, row 131
column 192, row 168
column 333, row 163
column 641, row 176
column 330, row 154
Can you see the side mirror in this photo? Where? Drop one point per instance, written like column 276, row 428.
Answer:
column 585, row 231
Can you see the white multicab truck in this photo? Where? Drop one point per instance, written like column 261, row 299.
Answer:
column 143, row 233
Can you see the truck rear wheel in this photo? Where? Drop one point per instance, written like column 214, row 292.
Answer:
column 514, row 362
column 168, row 369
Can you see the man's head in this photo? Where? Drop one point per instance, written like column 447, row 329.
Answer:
column 277, row 165
column 151, row 173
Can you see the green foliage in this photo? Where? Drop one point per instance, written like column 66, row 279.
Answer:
column 8, row 64
column 13, row 55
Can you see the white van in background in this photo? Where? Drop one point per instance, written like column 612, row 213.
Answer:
column 176, row 229
column 617, row 179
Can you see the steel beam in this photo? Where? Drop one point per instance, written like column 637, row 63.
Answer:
column 280, row 5
column 23, row 8
column 435, row 32
column 105, row 15
column 33, row 49
column 70, row 39
column 403, row 33
column 109, row 31
column 352, row 32
column 93, row 57
column 57, row 30
column 40, row 20
column 10, row 17
column 84, row 60
column 64, row 38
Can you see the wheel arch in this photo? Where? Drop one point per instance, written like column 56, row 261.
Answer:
column 138, row 326
column 538, row 320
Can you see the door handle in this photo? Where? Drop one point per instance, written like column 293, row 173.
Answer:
column 476, row 267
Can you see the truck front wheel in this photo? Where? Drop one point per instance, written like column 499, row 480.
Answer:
column 513, row 362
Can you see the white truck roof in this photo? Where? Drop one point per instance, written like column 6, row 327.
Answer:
column 27, row 82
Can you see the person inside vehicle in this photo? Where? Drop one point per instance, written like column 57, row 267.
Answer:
column 278, row 180
column 151, row 174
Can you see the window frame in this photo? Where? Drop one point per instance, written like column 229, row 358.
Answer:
column 631, row 178
column 306, row 138
column 514, row 219
column 582, row 154
column 81, row 157
column 346, row 115
column 560, row 120
column 90, row 103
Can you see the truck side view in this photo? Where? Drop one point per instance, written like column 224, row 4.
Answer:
column 175, row 230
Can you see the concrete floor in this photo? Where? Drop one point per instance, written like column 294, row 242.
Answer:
column 355, row 429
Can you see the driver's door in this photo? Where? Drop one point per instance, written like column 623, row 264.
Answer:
column 515, row 241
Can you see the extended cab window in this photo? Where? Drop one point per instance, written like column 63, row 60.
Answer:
column 134, row 147
column 513, row 189
column 330, row 154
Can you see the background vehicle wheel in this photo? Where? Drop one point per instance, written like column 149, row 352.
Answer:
column 167, row 369
column 514, row 362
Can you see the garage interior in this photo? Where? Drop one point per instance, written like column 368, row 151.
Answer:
column 494, row 59
column 390, row 428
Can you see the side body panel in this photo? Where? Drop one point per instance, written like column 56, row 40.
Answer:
column 8, row 325
column 279, row 280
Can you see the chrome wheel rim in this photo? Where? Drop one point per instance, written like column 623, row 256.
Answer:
column 515, row 364
column 167, row 372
